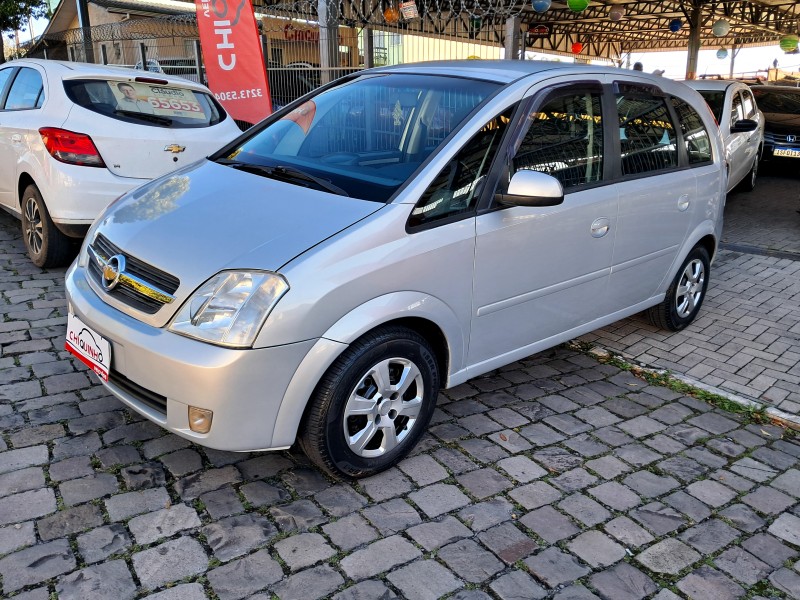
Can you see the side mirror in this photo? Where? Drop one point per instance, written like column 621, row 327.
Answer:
column 744, row 125
column 532, row 188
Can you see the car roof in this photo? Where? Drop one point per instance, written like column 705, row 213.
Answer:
column 711, row 84
column 75, row 70
column 778, row 88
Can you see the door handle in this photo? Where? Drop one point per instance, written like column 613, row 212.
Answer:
column 600, row 227
column 683, row 202
column 16, row 138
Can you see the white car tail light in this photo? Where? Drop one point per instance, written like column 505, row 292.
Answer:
column 70, row 147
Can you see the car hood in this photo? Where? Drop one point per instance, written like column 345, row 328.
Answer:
column 208, row 217
column 782, row 123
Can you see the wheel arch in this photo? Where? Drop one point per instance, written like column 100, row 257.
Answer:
column 426, row 315
column 25, row 179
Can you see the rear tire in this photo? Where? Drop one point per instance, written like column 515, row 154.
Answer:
column 373, row 404
column 685, row 294
column 46, row 245
column 748, row 184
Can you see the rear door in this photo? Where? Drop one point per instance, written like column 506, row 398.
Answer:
column 144, row 130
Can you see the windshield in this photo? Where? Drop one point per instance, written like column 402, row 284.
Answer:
column 367, row 136
column 715, row 101
column 774, row 101
column 146, row 103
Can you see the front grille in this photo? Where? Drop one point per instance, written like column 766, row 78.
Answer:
column 133, row 266
column 148, row 398
column 779, row 138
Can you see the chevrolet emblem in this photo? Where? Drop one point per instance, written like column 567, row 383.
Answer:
column 174, row 148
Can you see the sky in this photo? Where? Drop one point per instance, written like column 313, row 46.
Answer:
column 748, row 61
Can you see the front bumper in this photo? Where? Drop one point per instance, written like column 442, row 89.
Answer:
column 244, row 388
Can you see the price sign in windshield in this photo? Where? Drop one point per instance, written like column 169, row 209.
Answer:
column 156, row 100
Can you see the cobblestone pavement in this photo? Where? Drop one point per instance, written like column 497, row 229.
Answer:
column 747, row 338
column 556, row 477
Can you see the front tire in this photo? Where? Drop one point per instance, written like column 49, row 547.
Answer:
column 373, row 404
column 748, row 184
column 685, row 294
column 46, row 245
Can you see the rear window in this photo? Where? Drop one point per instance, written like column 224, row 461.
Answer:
column 716, row 101
column 146, row 103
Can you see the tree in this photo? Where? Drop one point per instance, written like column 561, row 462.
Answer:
column 14, row 15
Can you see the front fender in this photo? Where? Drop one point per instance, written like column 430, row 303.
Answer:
column 360, row 320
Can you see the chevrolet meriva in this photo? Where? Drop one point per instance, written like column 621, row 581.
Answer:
column 398, row 231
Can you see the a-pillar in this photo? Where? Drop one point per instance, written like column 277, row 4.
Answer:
column 328, row 13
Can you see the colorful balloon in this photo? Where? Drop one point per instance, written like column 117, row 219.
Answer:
column 721, row 28
column 616, row 13
column 577, row 5
column 577, row 47
column 675, row 25
column 541, row 6
column 789, row 43
column 722, row 53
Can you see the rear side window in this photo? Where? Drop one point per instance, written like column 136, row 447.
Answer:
column 715, row 101
column 695, row 135
column 565, row 140
column 648, row 140
column 26, row 92
column 748, row 104
column 146, row 104
column 737, row 112
column 5, row 76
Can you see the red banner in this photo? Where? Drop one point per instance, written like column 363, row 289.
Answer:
column 233, row 58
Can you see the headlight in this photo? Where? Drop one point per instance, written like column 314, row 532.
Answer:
column 230, row 308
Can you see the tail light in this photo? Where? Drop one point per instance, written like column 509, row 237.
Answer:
column 70, row 147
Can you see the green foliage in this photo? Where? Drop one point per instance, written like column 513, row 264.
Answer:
column 14, row 13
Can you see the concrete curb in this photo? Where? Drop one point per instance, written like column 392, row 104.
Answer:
column 775, row 414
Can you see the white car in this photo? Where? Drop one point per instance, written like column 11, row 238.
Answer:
column 75, row 136
column 741, row 125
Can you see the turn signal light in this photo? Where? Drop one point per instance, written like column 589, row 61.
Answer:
column 200, row 419
column 70, row 147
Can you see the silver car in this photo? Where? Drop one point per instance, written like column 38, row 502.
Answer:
column 741, row 125
column 399, row 231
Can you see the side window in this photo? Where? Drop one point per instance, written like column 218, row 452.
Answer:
column 647, row 136
column 748, row 104
column 458, row 186
column 565, row 140
column 5, row 75
column 26, row 92
column 695, row 135
column 737, row 112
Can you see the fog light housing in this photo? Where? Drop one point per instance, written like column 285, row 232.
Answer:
column 200, row 419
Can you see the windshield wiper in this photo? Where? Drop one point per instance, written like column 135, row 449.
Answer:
column 144, row 116
column 283, row 172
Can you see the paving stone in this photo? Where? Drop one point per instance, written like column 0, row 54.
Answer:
column 13, row 460
column 768, row 549
column 682, row 468
column 163, row 445
column 182, row 462
column 305, row 482
column 510, row 440
column 623, row 582
column 574, row 480
column 664, row 444
column 586, row 446
column 423, row 469
column 706, row 457
column 124, row 506
column 469, row 561
column 71, row 468
column 378, row 557
column 789, row 482
column 608, row 467
column 245, row 576
column 711, row 492
column 36, row 435
column 76, row 491
column 21, row 481
column 535, row 495
column 575, row 592
column 483, row 450
column 714, row 423
column 628, row 532
column 166, row 522
column 170, row 561
column 641, row 426
column 143, row 476
column 786, row 581
column 36, row 564
column 483, row 483
column 304, row 550
column 517, row 585
column 706, row 582
column 234, row 536
column 99, row 582
column 483, row 515
column 439, row 498
column 98, row 544
column 596, row 549
column 454, row 460
column 752, row 469
column 350, row 532
column 668, row 556
column 613, row 436
column 266, row 465
column 185, row 591
column 710, row 536
column 424, row 579
column 774, row 458
column 222, row 503
column 79, row 445
column 508, row 543
column 311, row 584
column 389, row 484
column 615, row 495
column 768, row 501
column 260, row 493
column 367, row 590
column 747, row 438
column 787, row 528
column 435, row 534
column 135, row 432
column 69, row 521
column 727, row 447
column 732, row 480
column 597, row 416
column 743, row 517
column 478, row 425
column 557, row 460
column 540, row 434
column 554, row 567
column 658, row 518
column 194, row 486
column 392, row 516
column 649, row 484
column 117, row 456
column 637, row 455
column 742, row 565
column 521, row 468
column 27, row 505
column 549, row 524
column 688, row 505
column 17, row 536
column 584, row 509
